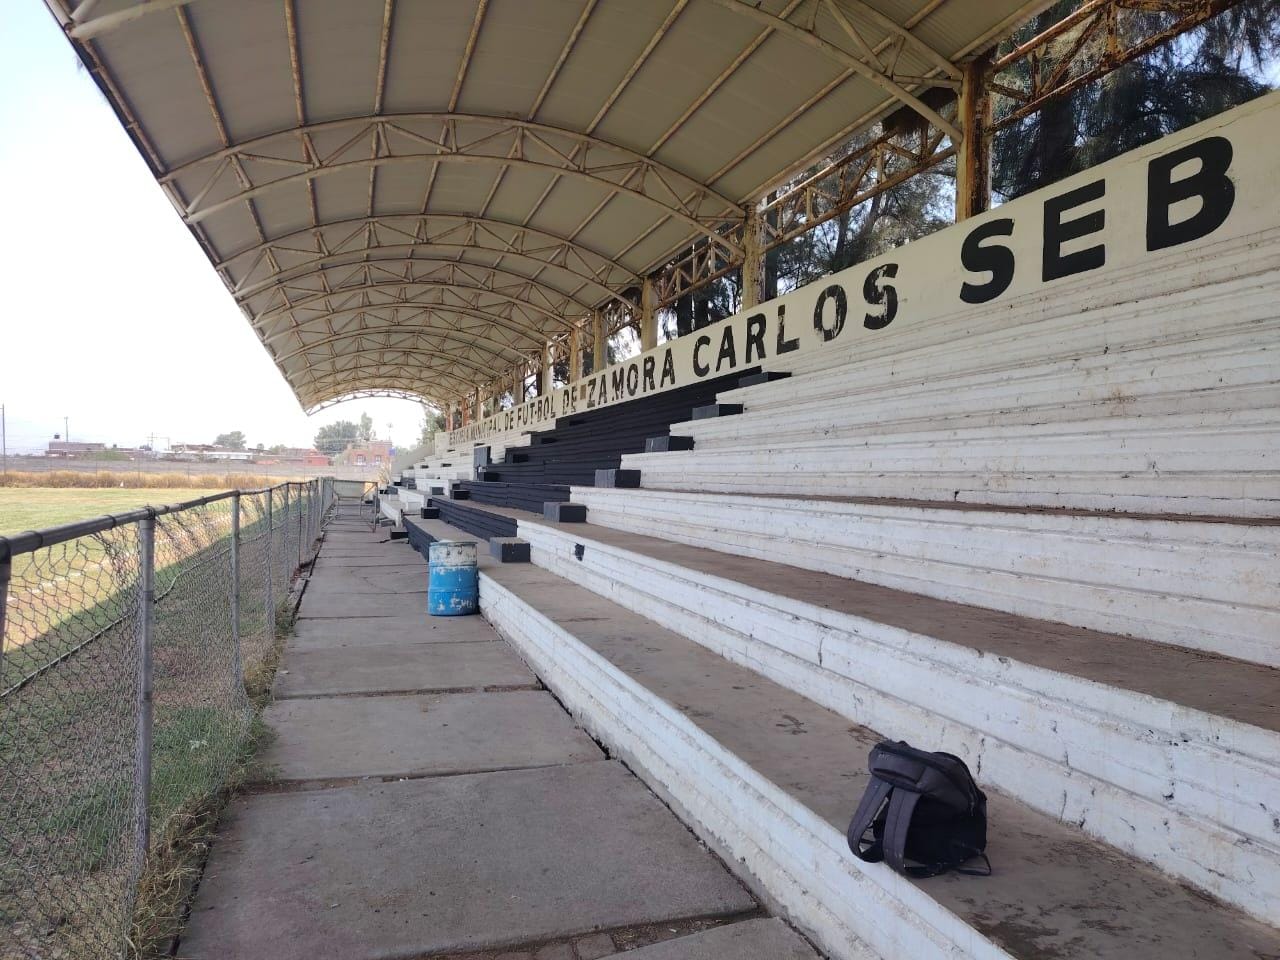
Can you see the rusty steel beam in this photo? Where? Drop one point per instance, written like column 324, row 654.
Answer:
column 1105, row 24
column 867, row 169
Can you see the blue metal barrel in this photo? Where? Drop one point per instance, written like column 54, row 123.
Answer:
column 451, row 578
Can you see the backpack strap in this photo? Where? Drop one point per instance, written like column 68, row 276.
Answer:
column 870, row 805
column 901, row 805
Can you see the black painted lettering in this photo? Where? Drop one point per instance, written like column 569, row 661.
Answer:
column 700, row 369
column 727, row 351
column 836, row 293
column 1057, row 264
column 1210, row 183
column 649, row 364
column 619, row 376
column 633, row 378
column 755, row 336
column 995, row 259
column 784, row 345
column 879, row 294
column 668, row 369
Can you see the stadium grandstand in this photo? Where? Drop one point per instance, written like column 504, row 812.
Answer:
column 1004, row 487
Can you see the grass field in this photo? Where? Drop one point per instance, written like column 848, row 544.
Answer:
column 34, row 508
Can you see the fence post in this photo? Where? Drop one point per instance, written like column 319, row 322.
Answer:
column 6, row 572
column 146, row 627
column 271, row 574
column 311, row 518
column 235, row 586
column 302, row 537
column 284, row 531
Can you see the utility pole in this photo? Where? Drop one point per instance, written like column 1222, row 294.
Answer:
column 4, row 444
column 66, row 429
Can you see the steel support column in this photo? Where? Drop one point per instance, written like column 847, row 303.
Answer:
column 973, row 159
column 753, row 258
column 575, row 353
column 648, row 315
column 547, row 383
column 599, row 350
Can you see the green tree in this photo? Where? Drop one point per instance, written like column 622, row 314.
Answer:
column 333, row 438
column 433, row 421
column 1220, row 64
column 230, row 441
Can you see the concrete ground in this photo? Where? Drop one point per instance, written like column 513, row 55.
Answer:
column 428, row 798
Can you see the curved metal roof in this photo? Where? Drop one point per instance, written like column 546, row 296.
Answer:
column 408, row 197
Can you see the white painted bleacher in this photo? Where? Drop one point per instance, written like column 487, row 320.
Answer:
column 455, row 463
column 1042, row 534
column 1153, row 390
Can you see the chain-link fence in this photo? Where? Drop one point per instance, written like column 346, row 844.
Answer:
column 125, row 643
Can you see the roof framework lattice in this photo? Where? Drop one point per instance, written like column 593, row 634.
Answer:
column 409, row 197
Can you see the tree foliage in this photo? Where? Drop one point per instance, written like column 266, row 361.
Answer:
column 433, row 421
column 333, row 438
column 230, row 441
column 1217, row 66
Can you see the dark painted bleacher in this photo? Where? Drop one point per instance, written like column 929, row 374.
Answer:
column 569, row 454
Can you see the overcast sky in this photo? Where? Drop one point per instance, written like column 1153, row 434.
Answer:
column 114, row 318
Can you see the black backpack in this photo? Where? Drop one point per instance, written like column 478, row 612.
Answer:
column 935, row 815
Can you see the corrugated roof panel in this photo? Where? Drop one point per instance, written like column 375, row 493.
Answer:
column 765, row 118
column 244, row 48
column 612, row 40
column 153, row 67
column 338, row 52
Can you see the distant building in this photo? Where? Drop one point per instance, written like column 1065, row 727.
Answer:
column 365, row 453
column 294, row 457
column 207, row 451
column 73, row 448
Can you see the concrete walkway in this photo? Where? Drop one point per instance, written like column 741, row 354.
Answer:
column 428, row 798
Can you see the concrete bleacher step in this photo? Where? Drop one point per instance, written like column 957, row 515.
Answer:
column 1169, row 754
column 764, row 376
column 665, row 444
column 1198, row 463
column 582, row 448
column 1001, row 397
column 769, row 778
column 711, row 411
column 1162, row 299
column 1116, row 344
column 1167, row 399
column 1195, row 583
column 482, row 520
